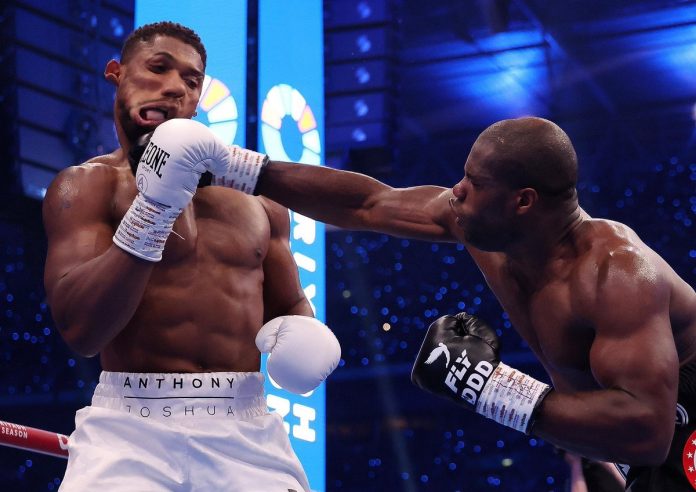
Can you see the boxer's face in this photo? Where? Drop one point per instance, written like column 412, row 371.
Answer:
column 161, row 80
column 482, row 204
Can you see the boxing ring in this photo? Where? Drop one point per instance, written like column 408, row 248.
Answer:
column 33, row 439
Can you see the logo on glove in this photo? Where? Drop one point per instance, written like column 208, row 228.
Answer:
column 474, row 383
column 436, row 352
column 142, row 183
column 155, row 158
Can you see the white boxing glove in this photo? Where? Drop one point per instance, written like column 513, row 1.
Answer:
column 244, row 171
column 179, row 151
column 303, row 351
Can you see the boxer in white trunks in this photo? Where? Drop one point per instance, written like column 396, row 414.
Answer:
column 178, row 289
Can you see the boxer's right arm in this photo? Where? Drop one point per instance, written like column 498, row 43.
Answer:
column 93, row 287
column 347, row 199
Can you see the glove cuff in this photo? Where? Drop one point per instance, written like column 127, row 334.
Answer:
column 145, row 227
column 244, row 171
column 510, row 397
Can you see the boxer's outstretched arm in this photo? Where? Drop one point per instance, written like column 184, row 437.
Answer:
column 93, row 286
column 634, row 359
column 356, row 201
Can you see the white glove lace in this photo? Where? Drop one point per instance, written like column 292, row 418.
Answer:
column 145, row 227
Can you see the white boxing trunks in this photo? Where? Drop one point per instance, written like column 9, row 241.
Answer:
column 198, row 432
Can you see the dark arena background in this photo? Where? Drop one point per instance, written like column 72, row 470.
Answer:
column 408, row 85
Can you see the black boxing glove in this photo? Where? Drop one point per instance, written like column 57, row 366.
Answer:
column 459, row 361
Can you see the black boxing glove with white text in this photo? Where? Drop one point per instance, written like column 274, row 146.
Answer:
column 459, row 360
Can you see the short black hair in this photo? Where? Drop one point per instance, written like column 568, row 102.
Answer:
column 164, row 28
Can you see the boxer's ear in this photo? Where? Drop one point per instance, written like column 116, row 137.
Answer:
column 112, row 72
column 526, row 198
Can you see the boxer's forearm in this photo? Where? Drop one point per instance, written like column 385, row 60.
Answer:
column 356, row 201
column 605, row 425
column 301, row 308
column 94, row 301
column 325, row 194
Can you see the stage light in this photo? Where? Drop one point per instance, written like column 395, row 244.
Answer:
column 362, row 75
column 116, row 27
column 359, row 135
column 364, row 10
column 363, row 42
column 361, row 108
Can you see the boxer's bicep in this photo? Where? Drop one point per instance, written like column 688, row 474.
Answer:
column 282, row 291
column 634, row 349
column 76, row 221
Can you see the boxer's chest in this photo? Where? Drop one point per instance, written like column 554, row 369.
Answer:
column 549, row 320
column 219, row 226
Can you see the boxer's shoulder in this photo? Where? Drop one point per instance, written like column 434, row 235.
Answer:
column 87, row 188
column 611, row 264
column 101, row 170
column 277, row 214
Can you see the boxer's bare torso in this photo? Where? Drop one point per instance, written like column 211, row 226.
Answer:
column 556, row 307
column 609, row 319
column 226, row 269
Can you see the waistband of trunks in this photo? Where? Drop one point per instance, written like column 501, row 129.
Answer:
column 167, row 396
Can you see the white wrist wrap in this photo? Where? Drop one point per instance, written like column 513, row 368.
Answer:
column 244, row 170
column 145, row 228
column 510, row 397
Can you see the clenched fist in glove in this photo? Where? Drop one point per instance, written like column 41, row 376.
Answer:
column 303, row 351
column 459, row 361
column 167, row 176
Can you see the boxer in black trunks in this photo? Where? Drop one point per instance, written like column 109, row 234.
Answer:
column 607, row 317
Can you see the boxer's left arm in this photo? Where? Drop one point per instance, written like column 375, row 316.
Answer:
column 346, row 199
column 282, row 292
column 634, row 359
column 303, row 351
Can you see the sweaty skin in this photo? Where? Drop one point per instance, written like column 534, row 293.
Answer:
column 608, row 318
column 226, row 269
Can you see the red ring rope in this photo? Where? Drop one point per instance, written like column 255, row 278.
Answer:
column 31, row 439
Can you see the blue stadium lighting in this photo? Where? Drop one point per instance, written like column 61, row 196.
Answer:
column 364, row 10
column 116, row 27
column 362, row 75
column 358, row 135
column 361, row 108
column 364, row 44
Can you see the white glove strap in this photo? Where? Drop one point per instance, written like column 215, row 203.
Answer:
column 244, row 170
column 510, row 397
column 145, row 228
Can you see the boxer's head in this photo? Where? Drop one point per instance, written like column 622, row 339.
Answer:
column 159, row 77
column 515, row 167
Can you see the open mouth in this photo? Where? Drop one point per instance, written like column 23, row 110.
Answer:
column 153, row 116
